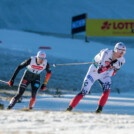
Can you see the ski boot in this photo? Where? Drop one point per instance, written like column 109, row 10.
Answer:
column 69, row 109
column 19, row 100
column 99, row 109
column 1, row 106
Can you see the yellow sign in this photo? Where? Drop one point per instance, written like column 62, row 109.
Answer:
column 109, row 27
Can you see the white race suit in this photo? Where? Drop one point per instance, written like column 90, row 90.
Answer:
column 101, row 59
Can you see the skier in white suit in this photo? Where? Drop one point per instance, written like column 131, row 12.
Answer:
column 107, row 63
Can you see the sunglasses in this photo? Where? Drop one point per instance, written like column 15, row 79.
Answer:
column 122, row 51
column 42, row 59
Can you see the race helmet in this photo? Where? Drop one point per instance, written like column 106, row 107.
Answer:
column 41, row 55
column 120, row 47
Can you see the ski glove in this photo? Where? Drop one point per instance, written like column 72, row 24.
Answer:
column 105, row 68
column 113, row 62
column 43, row 87
column 10, row 83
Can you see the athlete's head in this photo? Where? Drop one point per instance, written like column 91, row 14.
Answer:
column 41, row 56
column 120, row 49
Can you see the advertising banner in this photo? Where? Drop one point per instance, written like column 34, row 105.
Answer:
column 109, row 27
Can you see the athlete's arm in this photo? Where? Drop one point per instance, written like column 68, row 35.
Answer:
column 21, row 66
column 48, row 74
column 47, row 77
column 102, row 57
column 117, row 67
column 105, row 68
column 48, row 68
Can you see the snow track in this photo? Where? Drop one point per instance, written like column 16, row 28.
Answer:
column 51, row 122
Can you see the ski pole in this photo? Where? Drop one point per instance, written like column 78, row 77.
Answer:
column 4, row 81
column 54, row 65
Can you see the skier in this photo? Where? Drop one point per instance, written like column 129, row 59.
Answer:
column 34, row 66
column 107, row 63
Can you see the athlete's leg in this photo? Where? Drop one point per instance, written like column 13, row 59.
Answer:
column 35, row 86
column 87, row 84
column 106, row 85
column 22, row 86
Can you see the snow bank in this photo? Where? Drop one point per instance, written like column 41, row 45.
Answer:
column 17, row 46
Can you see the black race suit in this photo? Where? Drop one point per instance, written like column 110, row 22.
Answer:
column 27, row 78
